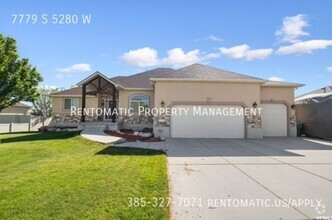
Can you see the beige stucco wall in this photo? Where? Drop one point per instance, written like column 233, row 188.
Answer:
column 222, row 92
column 92, row 102
column 200, row 91
column 189, row 91
column 124, row 96
column 14, row 110
column 58, row 104
column 278, row 94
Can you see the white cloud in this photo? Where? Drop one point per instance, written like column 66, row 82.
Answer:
column 214, row 38
column 243, row 52
column 178, row 58
column 258, row 54
column 210, row 56
column 329, row 69
column 210, row 38
column 141, row 57
column 304, row 47
column 147, row 57
column 274, row 78
column 76, row 68
column 292, row 28
column 237, row 52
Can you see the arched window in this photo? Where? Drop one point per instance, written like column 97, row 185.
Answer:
column 136, row 101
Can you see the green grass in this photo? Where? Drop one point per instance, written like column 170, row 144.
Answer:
column 63, row 176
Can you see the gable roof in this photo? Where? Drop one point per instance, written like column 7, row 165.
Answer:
column 203, row 72
column 97, row 73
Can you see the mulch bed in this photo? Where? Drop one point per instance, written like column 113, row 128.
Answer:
column 128, row 135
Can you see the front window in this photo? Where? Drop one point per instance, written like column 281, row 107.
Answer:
column 136, row 101
column 69, row 102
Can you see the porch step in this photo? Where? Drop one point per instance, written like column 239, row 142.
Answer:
column 96, row 127
column 99, row 126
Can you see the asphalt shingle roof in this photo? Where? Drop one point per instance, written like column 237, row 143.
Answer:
column 327, row 89
column 141, row 80
column 199, row 71
column 195, row 71
column 73, row 91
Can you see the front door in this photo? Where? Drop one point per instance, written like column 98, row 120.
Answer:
column 107, row 107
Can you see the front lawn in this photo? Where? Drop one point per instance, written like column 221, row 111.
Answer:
column 63, row 176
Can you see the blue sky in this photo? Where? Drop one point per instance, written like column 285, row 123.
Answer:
column 287, row 40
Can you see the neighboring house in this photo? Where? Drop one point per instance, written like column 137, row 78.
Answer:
column 313, row 109
column 191, row 86
column 16, row 109
column 17, row 113
column 15, row 118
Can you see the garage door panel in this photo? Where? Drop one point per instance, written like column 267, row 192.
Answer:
column 274, row 120
column 207, row 126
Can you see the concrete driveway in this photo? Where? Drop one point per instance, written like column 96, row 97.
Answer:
column 273, row 178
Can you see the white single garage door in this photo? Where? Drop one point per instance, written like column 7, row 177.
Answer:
column 274, row 120
column 194, row 125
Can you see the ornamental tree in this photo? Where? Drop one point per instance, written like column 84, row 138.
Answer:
column 18, row 79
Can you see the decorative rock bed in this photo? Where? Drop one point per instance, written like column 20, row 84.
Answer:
column 132, row 136
column 57, row 129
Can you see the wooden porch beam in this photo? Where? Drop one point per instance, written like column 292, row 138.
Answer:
column 94, row 86
column 113, row 103
column 104, row 86
column 91, row 93
column 83, row 102
column 99, row 83
column 91, row 80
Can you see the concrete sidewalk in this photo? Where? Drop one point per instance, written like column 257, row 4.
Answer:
column 99, row 136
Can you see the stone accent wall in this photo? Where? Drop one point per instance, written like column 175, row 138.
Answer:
column 292, row 121
column 107, row 94
column 135, row 119
column 63, row 119
column 254, row 121
column 162, row 121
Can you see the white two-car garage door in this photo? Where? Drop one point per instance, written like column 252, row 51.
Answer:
column 274, row 120
column 194, row 125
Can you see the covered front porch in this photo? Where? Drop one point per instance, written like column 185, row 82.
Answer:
column 107, row 95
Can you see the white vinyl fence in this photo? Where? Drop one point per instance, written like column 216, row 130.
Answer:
column 32, row 125
column 14, row 127
column 4, row 128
